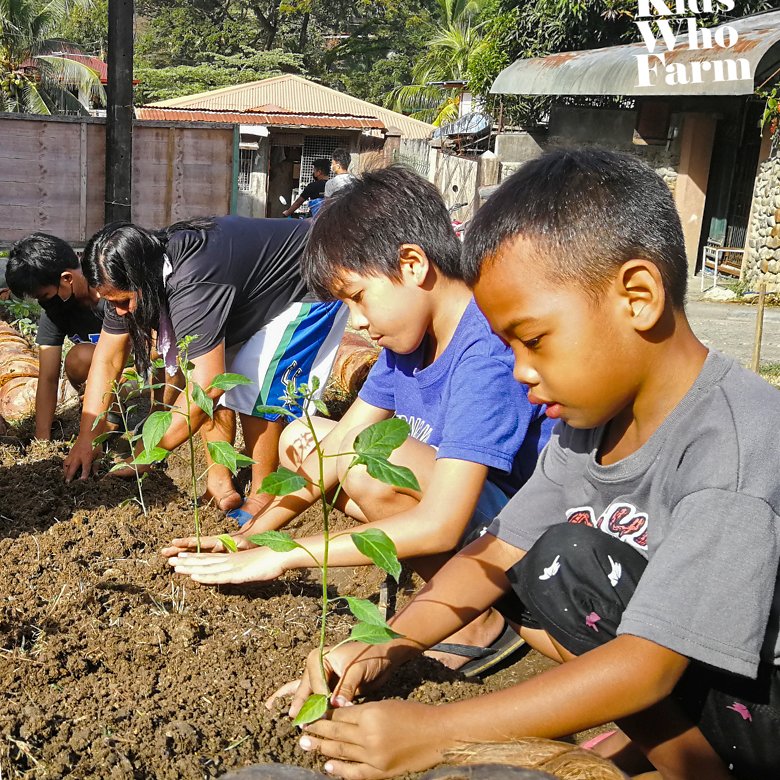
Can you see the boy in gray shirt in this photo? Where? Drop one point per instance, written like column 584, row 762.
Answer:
column 644, row 548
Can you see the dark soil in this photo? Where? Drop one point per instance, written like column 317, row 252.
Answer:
column 112, row 667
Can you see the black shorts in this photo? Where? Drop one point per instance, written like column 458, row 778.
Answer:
column 575, row 583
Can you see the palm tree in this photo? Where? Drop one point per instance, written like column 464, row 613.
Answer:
column 454, row 39
column 36, row 75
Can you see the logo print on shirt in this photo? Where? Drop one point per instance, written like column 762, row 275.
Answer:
column 620, row 520
column 418, row 428
column 552, row 569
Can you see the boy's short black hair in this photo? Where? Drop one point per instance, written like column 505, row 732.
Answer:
column 362, row 230
column 322, row 165
column 587, row 211
column 341, row 156
column 38, row 261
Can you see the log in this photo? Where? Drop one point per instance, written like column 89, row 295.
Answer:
column 353, row 361
column 559, row 759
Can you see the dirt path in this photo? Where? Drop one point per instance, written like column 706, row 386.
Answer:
column 730, row 327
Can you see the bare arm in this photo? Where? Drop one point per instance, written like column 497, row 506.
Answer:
column 50, row 362
column 295, row 206
column 611, row 682
column 109, row 359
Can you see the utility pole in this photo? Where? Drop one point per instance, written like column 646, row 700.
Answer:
column 119, row 114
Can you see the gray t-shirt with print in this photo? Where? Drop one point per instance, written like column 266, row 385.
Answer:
column 700, row 500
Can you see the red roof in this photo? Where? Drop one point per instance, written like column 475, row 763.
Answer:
column 94, row 63
column 255, row 116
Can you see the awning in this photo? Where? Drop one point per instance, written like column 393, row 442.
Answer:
column 615, row 70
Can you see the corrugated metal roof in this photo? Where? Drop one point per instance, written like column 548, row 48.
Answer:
column 255, row 117
column 294, row 93
column 614, row 70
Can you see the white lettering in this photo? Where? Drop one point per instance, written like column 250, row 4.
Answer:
column 720, row 36
column 645, row 70
column 660, row 8
column 676, row 74
column 665, row 26
column 732, row 70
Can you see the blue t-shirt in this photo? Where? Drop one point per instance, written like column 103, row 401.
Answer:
column 466, row 404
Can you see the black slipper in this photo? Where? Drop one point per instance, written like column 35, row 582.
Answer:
column 484, row 658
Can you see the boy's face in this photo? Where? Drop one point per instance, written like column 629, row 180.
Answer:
column 391, row 312
column 575, row 355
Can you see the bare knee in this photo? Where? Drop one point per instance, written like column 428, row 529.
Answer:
column 295, row 444
column 77, row 363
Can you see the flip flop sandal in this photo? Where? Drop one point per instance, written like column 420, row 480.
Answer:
column 484, row 658
column 241, row 516
column 591, row 743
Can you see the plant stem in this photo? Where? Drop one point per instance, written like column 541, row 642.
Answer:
column 326, row 542
column 124, row 418
column 193, row 477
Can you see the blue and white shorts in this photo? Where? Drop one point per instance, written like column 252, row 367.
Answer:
column 298, row 344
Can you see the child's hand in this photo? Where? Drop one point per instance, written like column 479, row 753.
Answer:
column 208, row 544
column 351, row 668
column 379, row 739
column 257, row 565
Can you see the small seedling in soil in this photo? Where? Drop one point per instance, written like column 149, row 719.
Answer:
column 373, row 448
column 158, row 422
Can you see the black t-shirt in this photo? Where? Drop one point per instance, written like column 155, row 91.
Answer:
column 314, row 189
column 69, row 319
column 231, row 280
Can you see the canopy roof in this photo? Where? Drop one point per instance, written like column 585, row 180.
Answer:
column 614, row 70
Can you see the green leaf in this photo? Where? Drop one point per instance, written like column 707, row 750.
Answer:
column 278, row 541
column 378, row 546
column 98, row 440
column 273, row 410
column 225, row 454
column 321, row 407
column 282, row 482
column 229, row 381
column 202, row 400
column 98, row 419
column 382, row 469
column 130, row 374
column 373, row 635
column 381, row 438
column 147, row 457
column 365, row 611
column 315, row 384
column 155, row 427
column 313, row 709
column 229, row 542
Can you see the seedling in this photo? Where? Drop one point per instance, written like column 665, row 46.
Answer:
column 158, row 422
column 373, row 448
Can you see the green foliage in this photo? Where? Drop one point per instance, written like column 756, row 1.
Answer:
column 313, row 709
column 373, row 447
column 215, row 71
column 23, row 315
column 282, row 482
column 379, row 547
column 226, row 455
column 771, row 114
column 34, row 79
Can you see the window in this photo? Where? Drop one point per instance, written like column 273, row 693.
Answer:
column 246, row 159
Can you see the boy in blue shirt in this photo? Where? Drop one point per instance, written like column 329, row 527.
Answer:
column 475, row 436
column 645, row 546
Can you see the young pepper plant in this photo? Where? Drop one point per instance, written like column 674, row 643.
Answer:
column 372, row 449
column 158, row 422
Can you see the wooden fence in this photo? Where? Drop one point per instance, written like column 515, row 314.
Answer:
column 52, row 174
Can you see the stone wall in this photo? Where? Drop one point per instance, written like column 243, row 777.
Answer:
column 762, row 259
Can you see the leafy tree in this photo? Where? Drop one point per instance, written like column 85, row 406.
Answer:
column 216, row 71
column 86, row 25
column 34, row 76
column 452, row 42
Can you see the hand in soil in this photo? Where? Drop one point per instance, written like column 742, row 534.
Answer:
column 208, row 544
column 378, row 739
column 351, row 668
column 257, row 565
column 81, row 459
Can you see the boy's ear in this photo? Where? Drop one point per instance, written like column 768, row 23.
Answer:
column 641, row 288
column 414, row 263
